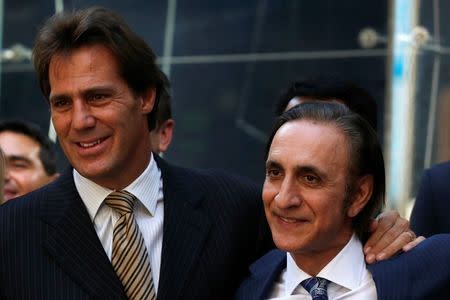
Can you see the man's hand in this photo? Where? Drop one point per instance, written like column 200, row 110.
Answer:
column 390, row 234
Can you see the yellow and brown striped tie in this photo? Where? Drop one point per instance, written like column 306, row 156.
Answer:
column 129, row 254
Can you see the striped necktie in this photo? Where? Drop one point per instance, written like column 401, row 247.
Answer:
column 129, row 254
column 316, row 287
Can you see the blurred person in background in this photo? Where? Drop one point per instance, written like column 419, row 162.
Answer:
column 329, row 88
column 30, row 158
column 2, row 175
column 161, row 135
column 430, row 212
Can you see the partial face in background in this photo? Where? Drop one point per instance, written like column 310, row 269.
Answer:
column 161, row 137
column 305, row 189
column 24, row 170
column 101, row 124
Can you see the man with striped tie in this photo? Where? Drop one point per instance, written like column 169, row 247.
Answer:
column 324, row 179
column 121, row 222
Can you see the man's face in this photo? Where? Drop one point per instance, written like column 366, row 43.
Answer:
column 100, row 123
column 305, row 189
column 24, row 170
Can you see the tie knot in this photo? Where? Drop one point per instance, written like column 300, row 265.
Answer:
column 316, row 287
column 121, row 201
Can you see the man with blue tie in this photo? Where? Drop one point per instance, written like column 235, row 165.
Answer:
column 324, row 179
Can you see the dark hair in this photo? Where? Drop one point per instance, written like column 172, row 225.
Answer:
column 31, row 130
column 365, row 157
column 164, row 110
column 329, row 87
column 67, row 31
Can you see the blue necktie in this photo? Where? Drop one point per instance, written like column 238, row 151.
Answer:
column 316, row 287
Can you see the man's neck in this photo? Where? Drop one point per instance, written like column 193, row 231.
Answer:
column 313, row 261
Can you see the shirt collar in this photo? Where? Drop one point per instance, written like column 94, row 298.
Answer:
column 336, row 271
column 146, row 189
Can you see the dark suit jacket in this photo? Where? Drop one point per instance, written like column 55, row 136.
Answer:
column 430, row 212
column 422, row 273
column 213, row 229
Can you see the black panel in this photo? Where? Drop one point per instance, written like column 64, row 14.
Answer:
column 236, row 26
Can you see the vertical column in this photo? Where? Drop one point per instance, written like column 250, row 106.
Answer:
column 166, row 61
column 399, row 138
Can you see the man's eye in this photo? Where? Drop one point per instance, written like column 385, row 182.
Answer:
column 19, row 165
column 311, row 179
column 60, row 103
column 98, row 97
column 273, row 172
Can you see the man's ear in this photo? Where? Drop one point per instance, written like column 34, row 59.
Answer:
column 148, row 100
column 165, row 135
column 361, row 195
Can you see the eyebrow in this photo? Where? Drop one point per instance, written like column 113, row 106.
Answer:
column 273, row 164
column 87, row 92
column 298, row 169
column 310, row 169
column 98, row 89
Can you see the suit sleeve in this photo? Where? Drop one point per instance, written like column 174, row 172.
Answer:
column 423, row 218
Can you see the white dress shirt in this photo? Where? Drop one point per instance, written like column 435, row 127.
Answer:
column 148, row 211
column 347, row 273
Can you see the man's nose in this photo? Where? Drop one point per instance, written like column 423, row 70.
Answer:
column 82, row 116
column 289, row 194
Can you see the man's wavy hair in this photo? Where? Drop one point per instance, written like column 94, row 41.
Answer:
column 67, row 31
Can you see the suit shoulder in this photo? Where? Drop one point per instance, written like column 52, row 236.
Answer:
column 212, row 179
column 213, row 176
column 435, row 181
column 421, row 272
column 438, row 244
column 441, row 169
column 23, row 204
column 20, row 216
column 422, row 258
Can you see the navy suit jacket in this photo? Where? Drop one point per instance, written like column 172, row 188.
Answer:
column 422, row 273
column 430, row 212
column 213, row 229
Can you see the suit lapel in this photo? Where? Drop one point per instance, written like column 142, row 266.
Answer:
column 185, row 229
column 73, row 243
column 265, row 271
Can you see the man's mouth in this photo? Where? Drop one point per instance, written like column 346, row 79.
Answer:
column 90, row 144
column 289, row 220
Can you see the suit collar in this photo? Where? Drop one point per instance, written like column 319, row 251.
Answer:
column 186, row 227
column 264, row 272
column 72, row 241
